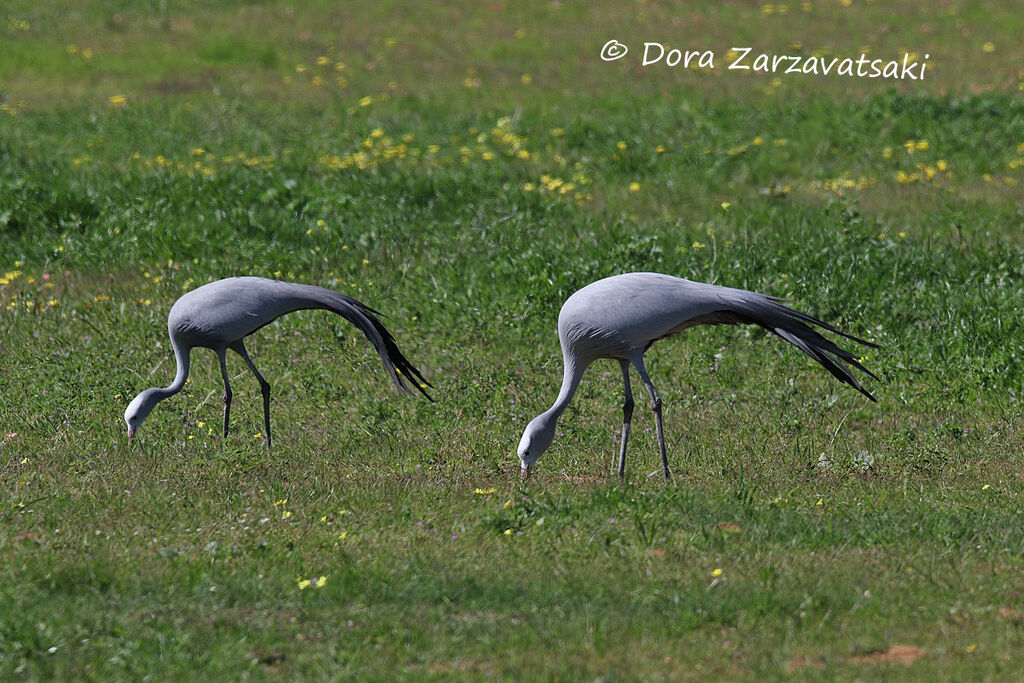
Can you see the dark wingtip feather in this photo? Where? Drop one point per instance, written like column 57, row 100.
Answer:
column 404, row 367
column 793, row 326
column 365, row 317
column 827, row 354
column 831, row 328
column 407, row 370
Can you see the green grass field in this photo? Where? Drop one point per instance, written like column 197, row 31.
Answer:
column 464, row 169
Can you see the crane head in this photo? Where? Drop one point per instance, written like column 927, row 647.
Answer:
column 537, row 437
column 138, row 410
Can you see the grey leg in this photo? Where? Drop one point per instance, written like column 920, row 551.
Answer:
column 627, row 416
column 656, row 407
column 239, row 347
column 222, row 356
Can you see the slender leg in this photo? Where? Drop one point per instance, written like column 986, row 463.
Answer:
column 239, row 347
column 222, row 355
column 627, row 416
column 656, row 407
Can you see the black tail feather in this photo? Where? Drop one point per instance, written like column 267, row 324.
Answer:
column 404, row 368
column 365, row 318
column 824, row 325
column 793, row 326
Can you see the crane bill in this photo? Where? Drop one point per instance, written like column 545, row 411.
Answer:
column 525, row 473
column 131, row 436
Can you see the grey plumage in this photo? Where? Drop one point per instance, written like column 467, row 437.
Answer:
column 620, row 317
column 219, row 315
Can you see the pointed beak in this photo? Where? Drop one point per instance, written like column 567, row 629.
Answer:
column 525, row 473
column 131, row 435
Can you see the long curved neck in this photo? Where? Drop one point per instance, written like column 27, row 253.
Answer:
column 571, row 376
column 181, row 354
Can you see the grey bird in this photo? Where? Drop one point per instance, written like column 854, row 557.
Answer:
column 219, row 315
column 619, row 317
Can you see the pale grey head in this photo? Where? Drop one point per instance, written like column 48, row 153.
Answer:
column 537, row 437
column 139, row 409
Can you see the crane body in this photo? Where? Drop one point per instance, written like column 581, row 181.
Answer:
column 220, row 314
column 620, row 317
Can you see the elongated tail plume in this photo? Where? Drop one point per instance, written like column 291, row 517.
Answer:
column 365, row 318
column 769, row 313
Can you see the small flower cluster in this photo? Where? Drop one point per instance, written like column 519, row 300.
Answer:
column 313, row 582
column 203, row 164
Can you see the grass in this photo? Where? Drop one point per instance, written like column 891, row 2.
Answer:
column 807, row 532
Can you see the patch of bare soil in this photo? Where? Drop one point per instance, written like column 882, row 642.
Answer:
column 897, row 654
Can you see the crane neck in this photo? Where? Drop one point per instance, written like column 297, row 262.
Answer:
column 181, row 357
column 571, row 375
